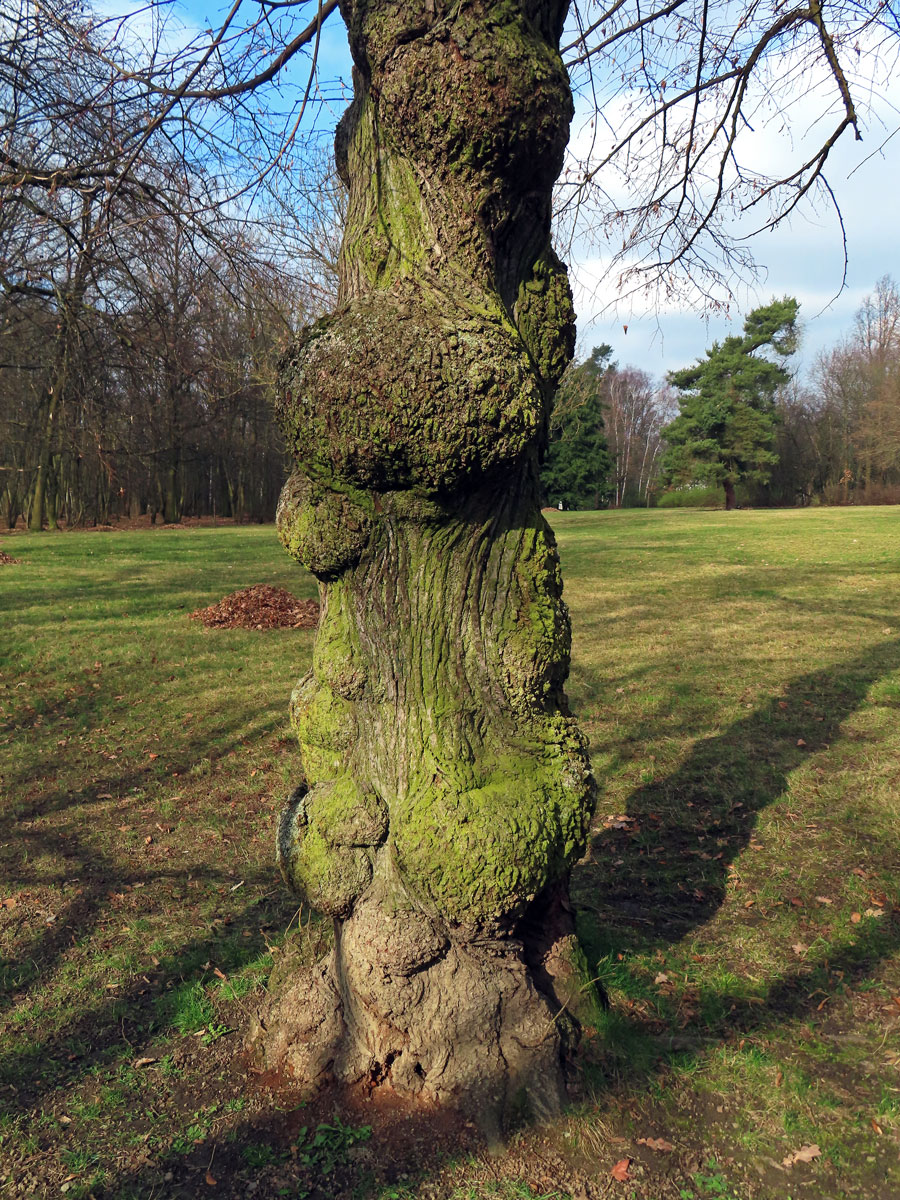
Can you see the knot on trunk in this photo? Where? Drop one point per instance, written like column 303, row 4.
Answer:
column 395, row 391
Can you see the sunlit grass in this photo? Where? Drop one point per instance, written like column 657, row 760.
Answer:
column 739, row 678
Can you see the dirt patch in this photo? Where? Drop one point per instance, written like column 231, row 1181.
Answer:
column 260, row 607
column 7, row 559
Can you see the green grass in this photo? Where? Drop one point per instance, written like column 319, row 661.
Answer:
column 739, row 678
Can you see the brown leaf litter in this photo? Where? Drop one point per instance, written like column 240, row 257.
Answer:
column 260, row 607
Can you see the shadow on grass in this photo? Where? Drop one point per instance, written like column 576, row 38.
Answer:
column 646, row 886
column 336, row 1148
column 109, row 1022
column 55, row 839
column 659, row 876
column 665, row 872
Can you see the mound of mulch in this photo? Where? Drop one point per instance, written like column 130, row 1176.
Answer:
column 7, row 559
column 260, row 607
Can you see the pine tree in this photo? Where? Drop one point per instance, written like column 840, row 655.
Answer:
column 726, row 426
column 576, row 470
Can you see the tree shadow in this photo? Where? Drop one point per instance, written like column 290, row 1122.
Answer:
column 646, row 885
column 339, row 1146
column 661, row 873
column 55, row 839
column 107, row 1024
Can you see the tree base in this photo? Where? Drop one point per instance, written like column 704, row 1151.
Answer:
column 477, row 1023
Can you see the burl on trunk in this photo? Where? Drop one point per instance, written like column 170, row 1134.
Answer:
column 447, row 789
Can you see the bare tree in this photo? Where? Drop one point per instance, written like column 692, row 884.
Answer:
column 857, row 386
column 88, row 228
column 663, row 179
column 634, row 419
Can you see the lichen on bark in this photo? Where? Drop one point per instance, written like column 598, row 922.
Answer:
column 446, row 789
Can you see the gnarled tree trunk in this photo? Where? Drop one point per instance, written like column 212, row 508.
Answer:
column 448, row 790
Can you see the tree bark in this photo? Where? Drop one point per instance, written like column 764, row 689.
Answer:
column 45, row 456
column 729, row 495
column 447, row 789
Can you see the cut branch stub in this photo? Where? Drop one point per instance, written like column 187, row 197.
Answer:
column 448, row 790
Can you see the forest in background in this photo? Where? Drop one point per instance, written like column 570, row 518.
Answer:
column 836, row 432
column 142, row 387
column 151, row 274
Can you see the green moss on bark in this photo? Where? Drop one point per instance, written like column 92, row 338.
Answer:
column 394, row 392
column 324, row 725
column 323, row 529
column 481, row 855
column 449, row 789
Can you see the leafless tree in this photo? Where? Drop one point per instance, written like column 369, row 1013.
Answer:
column 635, row 414
column 663, row 179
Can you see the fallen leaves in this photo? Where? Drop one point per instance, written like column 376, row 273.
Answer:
column 659, row 1144
column 804, row 1155
column 620, row 821
column 260, row 607
column 620, row 1170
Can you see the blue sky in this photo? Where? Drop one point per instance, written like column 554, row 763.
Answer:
column 803, row 259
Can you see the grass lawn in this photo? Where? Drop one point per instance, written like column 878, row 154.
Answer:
column 739, row 677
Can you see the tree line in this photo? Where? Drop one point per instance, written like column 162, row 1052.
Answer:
column 146, row 389
column 737, row 427
column 144, row 300
column 144, row 304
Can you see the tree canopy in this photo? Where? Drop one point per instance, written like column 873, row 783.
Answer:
column 578, row 465
column 658, row 179
column 727, row 420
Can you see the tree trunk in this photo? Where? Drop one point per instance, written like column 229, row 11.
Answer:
column 45, row 455
column 729, row 495
column 51, row 495
column 170, row 501
column 447, row 789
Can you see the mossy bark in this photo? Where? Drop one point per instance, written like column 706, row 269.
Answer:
column 446, row 790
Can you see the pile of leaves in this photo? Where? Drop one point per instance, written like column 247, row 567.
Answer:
column 260, row 607
column 7, row 559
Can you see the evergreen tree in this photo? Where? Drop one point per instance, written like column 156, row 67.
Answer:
column 727, row 418
column 578, row 463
